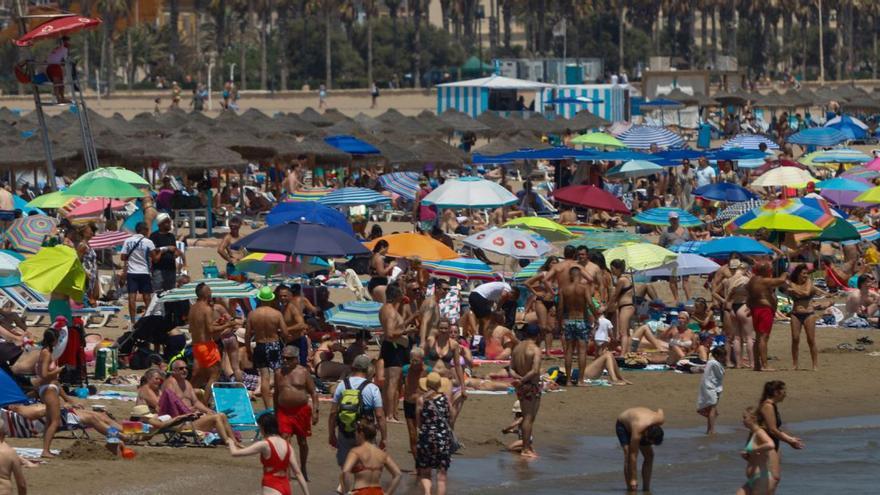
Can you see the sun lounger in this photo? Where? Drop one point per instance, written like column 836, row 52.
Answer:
column 26, row 301
column 18, row 426
column 232, row 400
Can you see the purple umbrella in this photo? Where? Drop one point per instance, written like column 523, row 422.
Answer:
column 844, row 198
column 304, row 239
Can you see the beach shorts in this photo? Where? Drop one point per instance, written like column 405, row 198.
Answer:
column 344, row 445
column 576, row 330
column 55, row 72
column 394, row 355
column 409, row 410
column 481, row 307
column 268, row 355
column 139, row 283
column 528, row 391
column 624, row 436
column 294, row 420
column 206, row 354
column 60, row 307
column 762, row 319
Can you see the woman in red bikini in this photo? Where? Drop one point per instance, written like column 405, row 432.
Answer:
column 277, row 458
column 366, row 462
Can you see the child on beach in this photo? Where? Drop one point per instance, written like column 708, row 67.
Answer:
column 515, row 446
column 756, row 453
column 603, row 333
column 710, row 388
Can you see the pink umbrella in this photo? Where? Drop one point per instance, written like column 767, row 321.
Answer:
column 109, row 239
column 94, row 207
column 873, row 164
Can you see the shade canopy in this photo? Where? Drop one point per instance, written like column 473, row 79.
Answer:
column 590, row 197
column 469, row 192
column 304, row 239
column 516, row 243
column 308, row 211
column 409, row 245
column 55, row 28
column 640, row 256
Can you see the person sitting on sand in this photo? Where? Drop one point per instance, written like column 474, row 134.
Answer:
column 864, row 300
column 500, row 340
column 276, row 456
column 363, row 467
column 605, row 363
column 10, row 467
column 757, row 455
column 676, row 340
column 179, row 397
column 638, row 430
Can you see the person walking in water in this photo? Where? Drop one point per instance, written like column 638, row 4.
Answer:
column 757, row 455
column 277, row 458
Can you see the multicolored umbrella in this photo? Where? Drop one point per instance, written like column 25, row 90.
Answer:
column 274, row 264
column 602, row 239
column 786, row 215
column 598, row 140
column 660, row 217
column 91, row 207
column 55, row 269
column 519, row 244
column 862, row 173
column 469, row 192
column 313, row 194
column 404, row 184
column 461, row 268
column 547, row 228
column 353, row 196
column 590, row 197
column 640, row 256
column 866, row 232
column 634, row 168
column 355, row 314
column 409, row 245
column 26, row 234
column 737, row 209
column 749, row 142
column 870, row 196
column 530, row 270
column 784, row 177
column 724, row 191
column 109, row 239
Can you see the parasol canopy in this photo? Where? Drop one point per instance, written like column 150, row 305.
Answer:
column 461, row 268
column 61, row 26
column 516, row 243
column 409, row 245
column 55, row 269
column 640, row 256
column 469, row 192
column 26, row 234
column 590, row 197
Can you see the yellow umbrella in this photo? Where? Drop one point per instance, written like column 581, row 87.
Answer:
column 780, row 222
column 549, row 229
column 54, row 269
column 640, row 256
column 420, row 246
column 598, row 140
column 55, row 199
column 870, row 196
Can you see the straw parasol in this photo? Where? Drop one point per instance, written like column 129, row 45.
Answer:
column 496, row 123
column 586, row 120
column 313, row 117
column 438, row 153
column 431, row 121
column 313, row 148
column 461, row 122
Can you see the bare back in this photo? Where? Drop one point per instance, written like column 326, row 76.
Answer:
column 574, row 300
column 199, row 319
column 523, row 358
column 266, row 324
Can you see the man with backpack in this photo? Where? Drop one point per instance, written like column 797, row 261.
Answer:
column 355, row 398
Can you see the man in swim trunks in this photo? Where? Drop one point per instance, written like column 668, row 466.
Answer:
column 525, row 367
column 395, row 349
column 204, row 331
column 411, row 394
column 296, row 326
column 231, row 256
column 576, row 317
column 293, row 389
column 638, row 429
column 265, row 326
column 762, row 305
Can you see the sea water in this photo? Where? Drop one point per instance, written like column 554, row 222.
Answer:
column 841, row 456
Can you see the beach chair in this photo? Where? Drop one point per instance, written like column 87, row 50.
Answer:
column 27, row 301
column 232, row 399
column 177, row 433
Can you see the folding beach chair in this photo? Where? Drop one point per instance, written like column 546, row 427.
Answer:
column 232, row 399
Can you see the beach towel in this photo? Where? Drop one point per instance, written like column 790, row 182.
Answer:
column 123, row 395
column 170, row 404
column 710, row 385
column 33, row 454
column 17, row 426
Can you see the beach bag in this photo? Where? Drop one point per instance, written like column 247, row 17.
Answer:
column 635, row 360
column 351, row 407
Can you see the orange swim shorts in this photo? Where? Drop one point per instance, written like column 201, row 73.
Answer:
column 206, row 354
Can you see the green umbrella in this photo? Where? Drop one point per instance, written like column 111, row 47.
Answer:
column 100, row 186
column 606, row 239
column 123, row 174
column 839, row 231
column 598, row 140
column 55, row 199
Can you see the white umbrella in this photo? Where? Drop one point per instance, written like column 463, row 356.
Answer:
column 469, row 192
column 515, row 243
column 634, row 168
column 784, row 177
column 686, row 264
column 8, row 264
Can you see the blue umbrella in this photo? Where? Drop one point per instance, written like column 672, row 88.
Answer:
column 351, row 145
column 643, row 136
column 749, row 142
column 842, row 184
column 724, row 191
column 308, row 211
column 852, row 128
column 20, row 204
column 734, row 154
column 404, row 184
column 818, row 136
column 661, row 103
column 660, row 216
column 691, row 247
column 724, row 246
column 355, row 314
column 304, row 239
column 353, row 196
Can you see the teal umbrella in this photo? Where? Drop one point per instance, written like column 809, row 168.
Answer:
column 355, row 314
column 606, row 239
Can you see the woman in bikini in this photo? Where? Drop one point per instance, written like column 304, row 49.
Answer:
column 757, row 455
column 365, row 464
column 277, row 458
column 443, row 356
column 768, row 415
column 742, row 331
column 681, row 339
column 49, row 391
column 545, row 299
column 379, row 271
column 803, row 315
column 622, row 301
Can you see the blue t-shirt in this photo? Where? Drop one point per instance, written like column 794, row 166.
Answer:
column 371, row 396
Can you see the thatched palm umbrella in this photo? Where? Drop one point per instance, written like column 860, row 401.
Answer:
column 462, row 123
column 315, row 149
column 431, row 121
column 439, row 153
column 315, row 118
column 584, row 120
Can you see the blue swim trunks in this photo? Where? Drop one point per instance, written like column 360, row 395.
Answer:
column 576, row 330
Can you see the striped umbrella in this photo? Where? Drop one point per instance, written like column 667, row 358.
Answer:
column 462, row 268
column 602, row 239
column 786, row 215
column 685, row 264
column 784, row 177
column 313, row 194
column 817, row 136
column 867, row 232
column 643, row 136
column 109, row 239
column 660, row 217
column 689, row 247
column 404, row 184
column 272, row 264
column 749, row 142
column 355, row 314
column 353, row 196
column 580, row 230
column 736, row 210
column 861, row 173
column 26, row 234
column 82, row 207
column 530, row 270
column 220, row 288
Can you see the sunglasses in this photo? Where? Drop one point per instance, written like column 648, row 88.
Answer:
column 180, row 369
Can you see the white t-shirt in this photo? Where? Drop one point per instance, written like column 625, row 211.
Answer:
column 704, row 176
column 492, row 291
column 57, row 55
column 138, row 248
column 603, row 329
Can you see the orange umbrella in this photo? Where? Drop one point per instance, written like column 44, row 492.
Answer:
column 420, row 246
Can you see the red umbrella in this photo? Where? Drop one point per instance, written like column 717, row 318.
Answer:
column 590, row 197
column 61, row 26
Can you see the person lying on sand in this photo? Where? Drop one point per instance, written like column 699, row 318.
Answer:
column 101, row 422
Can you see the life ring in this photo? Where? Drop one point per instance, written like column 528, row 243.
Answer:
column 61, row 344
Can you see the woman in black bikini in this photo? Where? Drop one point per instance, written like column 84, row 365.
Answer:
column 379, row 271
column 622, row 300
column 768, row 415
column 545, row 299
column 742, row 333
column 801, row 290
column 443, row 356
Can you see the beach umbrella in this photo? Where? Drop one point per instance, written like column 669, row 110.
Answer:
column 862, row 173
column 109, row 239
column 516, row 243
column 817, row 136
column 602, row 239
column 55, row 269
column 57, row 27
column 101, row 186
column 842, row 184
column 684, row 265
column 839, row 231
column 724, row 191
column 228, row 290
column 547, row 228
column 308, row 211
column 312, row 194
column 786, row 215
column 749, row 142
column 272, row 264
column 92, row 207
column 598, row 140
column 852, row 127
column 55, row 199
column 353, row 196
column 363, row 315
column 873, row 165
column 643, row 136
column 660, row 217
column 409, row 245
column 404, row 184
column 304, row 239
column 26, row 234
column 737, row 209
column 784, row 177
column 119, row 173
column 590, row 197
column 640, row 256
column 469, row 192
column 529, row 270
column 723, row 247
column 844, row 198
column 634, row 168
column 9, row 261
column 692, row 247
column 865, row 231
column 461, row 268
column 870, row 196
column 833, row 157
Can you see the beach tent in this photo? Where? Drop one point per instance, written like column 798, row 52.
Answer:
column 495, row 92
column 10, row 392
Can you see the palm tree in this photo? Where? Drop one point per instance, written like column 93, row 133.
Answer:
column 110, row 11
column 329, row 7
column 370, row 12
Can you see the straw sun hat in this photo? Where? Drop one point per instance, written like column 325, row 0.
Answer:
column 436, row 383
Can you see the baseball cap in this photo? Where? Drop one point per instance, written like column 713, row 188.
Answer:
column 266, row 294
column 673, row 214
column 734, row 264
column 162, row 217
column 361, row 363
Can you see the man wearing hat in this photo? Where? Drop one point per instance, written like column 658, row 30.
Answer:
column 265, row 326
column 164, row 273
